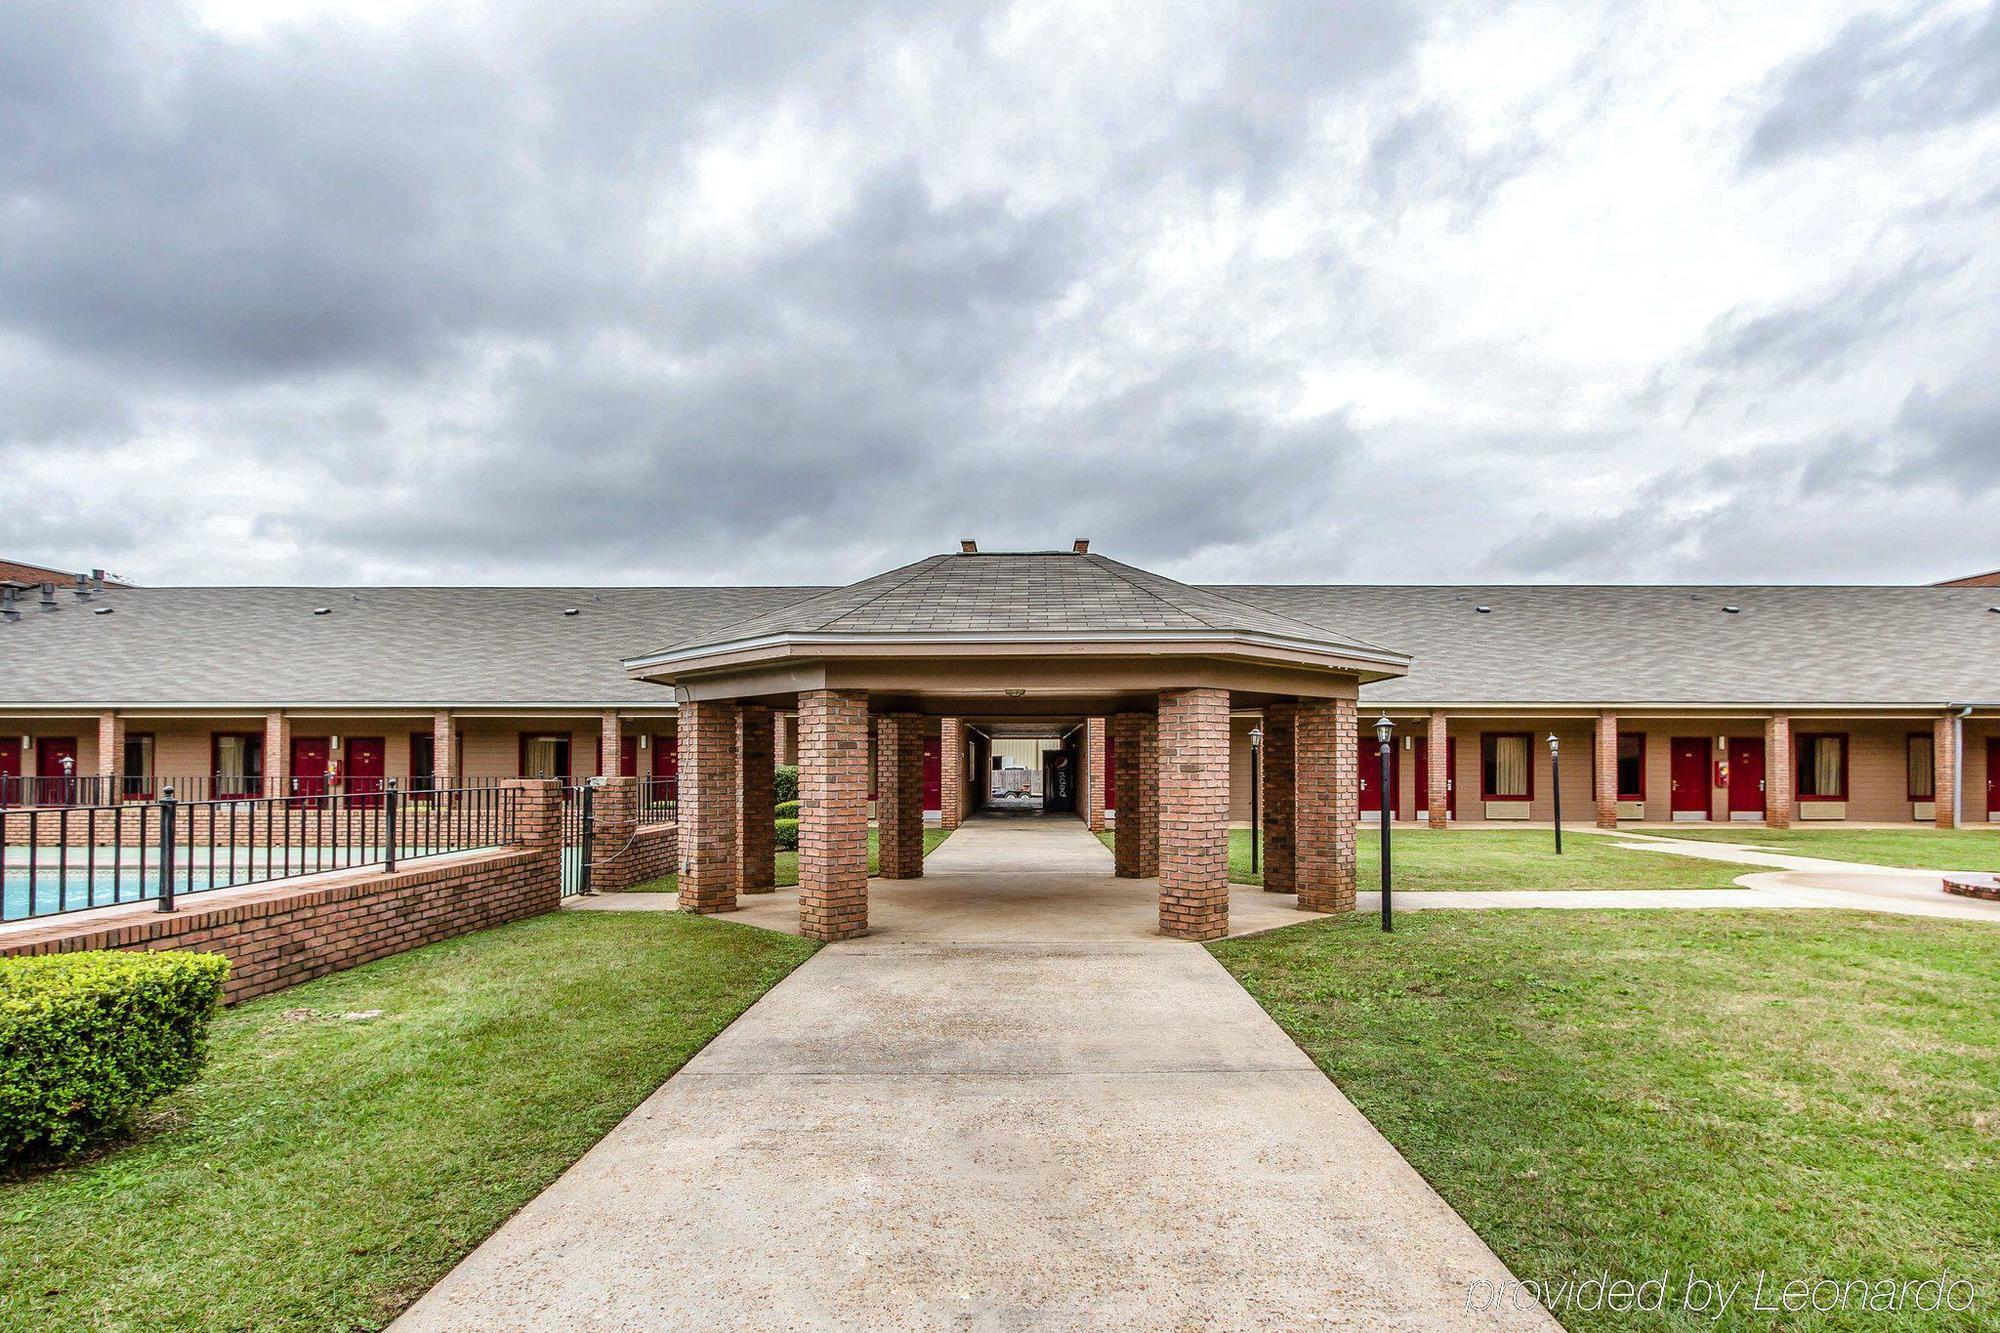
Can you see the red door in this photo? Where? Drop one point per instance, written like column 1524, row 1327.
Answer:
column 628, row 757
column 10, row 771
column 310, row 766
column 1993, row 777
column 667, row 764
column 55, row 765
column 1688, row 766
column 367, row 764
column 1421, row 757
column 933, row 773
column 1369, row 754
column 1746, row 775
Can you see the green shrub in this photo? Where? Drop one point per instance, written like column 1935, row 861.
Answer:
column 788, row 809
column 88, row 1038
column 787, row 779
column 788, row 835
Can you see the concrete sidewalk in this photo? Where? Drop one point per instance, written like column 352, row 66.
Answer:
column 1009, row 1106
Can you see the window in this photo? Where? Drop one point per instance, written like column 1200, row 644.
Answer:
column 138, row 766
column 237, row 763
column 1505, row 770
column 1822, row 768
column 1631, row 766
column 544, row 756
column 1923, row 767
column 423, row 761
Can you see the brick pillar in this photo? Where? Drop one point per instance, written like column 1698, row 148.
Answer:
column 1606, row 770
column 1194, row 813
column 833, row 814
column 708, row 807
column 1136, row 840
column 1437, row 759
column 538, row 826
column 444, row 751
column 1280, row 792
column 899, row 796
column 756, row 801
column 1778, row 771
column 1329, row 804
column 1944, row 771
column 1093, row 776
column 614, row 815
column 277, row 755
column 781, row 738
column 952, row 791
column 110, row 755
column 610, row 744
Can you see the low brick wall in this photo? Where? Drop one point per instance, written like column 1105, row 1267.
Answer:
column 279, row 934
column 1974, row 886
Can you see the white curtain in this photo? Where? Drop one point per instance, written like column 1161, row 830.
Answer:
column 1510, row 765
column 543, row 758
column 229, row 762
column 1826, row 765
column 1923, row 772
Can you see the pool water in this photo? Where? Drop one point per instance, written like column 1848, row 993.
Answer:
column 55, row 886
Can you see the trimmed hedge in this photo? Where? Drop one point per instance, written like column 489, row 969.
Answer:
column 788, row 835
column 786, row 779
column 88, row 1038
column 788, row 809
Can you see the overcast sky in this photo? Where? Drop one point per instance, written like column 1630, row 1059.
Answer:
column 790, row 292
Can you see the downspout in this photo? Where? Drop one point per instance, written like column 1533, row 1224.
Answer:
column 1958, row 766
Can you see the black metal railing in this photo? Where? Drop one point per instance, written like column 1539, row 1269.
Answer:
column 659, row 800
column 20, row 792
column 579, row 814
column 72, row 858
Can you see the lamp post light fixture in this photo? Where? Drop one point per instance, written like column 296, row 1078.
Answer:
column 1256, row 815
column 1556, row 788
column 1385, row 734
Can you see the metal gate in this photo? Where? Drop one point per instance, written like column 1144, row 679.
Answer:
column 578, row 809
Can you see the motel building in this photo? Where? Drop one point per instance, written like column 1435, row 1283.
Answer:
column 1135, row 702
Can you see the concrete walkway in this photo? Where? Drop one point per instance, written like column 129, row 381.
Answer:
column 1011, row 1105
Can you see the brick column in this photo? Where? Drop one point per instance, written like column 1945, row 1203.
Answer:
column 1329, row 804
column 899, row 796
column 444, row 751
column 110, row 755
column 1606, row 770
column 538, row 825
column 1280, row 784
column 614, row 811
column 952, row 791
column 1778, row 771
column 1944, row 771
column 708, row 807
column 1136, row 840
column 781, row 738
column 277, row 755
column 610, row 744
column 833, row 814
column 1437, row 782
column 756, row 800
column 1194, row 813
column 1093, row 778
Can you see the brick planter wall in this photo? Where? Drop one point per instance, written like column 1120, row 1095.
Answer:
column 277, row 935
column 1974, row 886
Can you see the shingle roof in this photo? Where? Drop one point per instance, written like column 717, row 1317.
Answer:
column 375, row 646
column 1056, row 593
column 1550, row 644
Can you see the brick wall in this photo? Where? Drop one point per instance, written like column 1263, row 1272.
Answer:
column 277, row 935
column 1193, row 770
column 833, row 814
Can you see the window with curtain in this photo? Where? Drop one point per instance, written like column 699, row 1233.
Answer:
column 1822, row 767
column 1504, row 765
column 1631, row 766
column 545, row 757
column 239, row 764
column 1923, row 767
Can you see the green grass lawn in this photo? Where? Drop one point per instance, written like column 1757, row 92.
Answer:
column 1918, row 848
column 1508, row 859
column 326, row 1169
column 1639, row 1093
column 788, row 864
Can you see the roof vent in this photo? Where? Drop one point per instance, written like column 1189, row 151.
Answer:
column 48, row 597
column 967, row 546
column 569, row 610
column 82, row 587
column 97, row 580
column 322, row 610
column 8, row 611
column 104, row 610
column 1732, row 610
column 1484, row 610
column 1081, row 546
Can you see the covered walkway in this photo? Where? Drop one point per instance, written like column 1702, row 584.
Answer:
column 1012, row 1102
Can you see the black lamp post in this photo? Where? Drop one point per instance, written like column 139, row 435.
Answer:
column 1556, row 788
column 1256, row 817
column 1385, row 733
